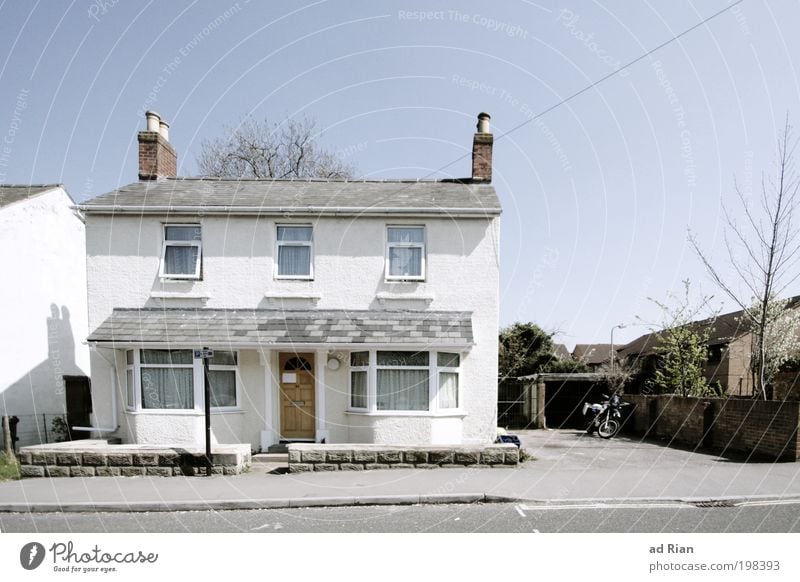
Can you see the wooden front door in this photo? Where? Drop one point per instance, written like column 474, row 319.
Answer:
column 298, row 419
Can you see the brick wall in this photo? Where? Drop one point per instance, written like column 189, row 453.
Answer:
column 786, row 386
column 156, row 156
column 763, row 429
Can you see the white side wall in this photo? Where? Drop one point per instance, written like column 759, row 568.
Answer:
column 42, row 304
column 238, row 272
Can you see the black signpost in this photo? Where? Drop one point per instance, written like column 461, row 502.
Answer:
column 206, row 354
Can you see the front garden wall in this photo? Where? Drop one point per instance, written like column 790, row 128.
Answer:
column 763, row 429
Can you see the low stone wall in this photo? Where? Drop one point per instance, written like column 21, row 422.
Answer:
column 353, row 457
column 766, row 429
column 95, row 459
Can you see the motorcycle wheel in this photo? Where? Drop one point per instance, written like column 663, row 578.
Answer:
column 608, row 428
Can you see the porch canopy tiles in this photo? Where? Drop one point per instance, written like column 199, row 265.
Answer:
column 259, row 327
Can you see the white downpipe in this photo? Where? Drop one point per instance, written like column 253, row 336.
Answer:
column 114, row 412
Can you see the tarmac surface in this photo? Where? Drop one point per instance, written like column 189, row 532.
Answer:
column 569, row 467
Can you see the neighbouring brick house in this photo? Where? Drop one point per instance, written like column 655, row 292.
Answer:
column 729, row 347
column 593, row 355
column 338, row 311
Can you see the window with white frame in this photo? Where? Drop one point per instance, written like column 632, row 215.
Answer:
column 222, row 379
column 359, row 379
column 447, row 372
column 385, row 381
column 295, row 252
column 167, row 379
column 182, row 252
column 173, row 380
column 405, row 253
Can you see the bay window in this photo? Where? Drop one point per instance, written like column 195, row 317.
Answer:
column 173, row 380
column 404, row 381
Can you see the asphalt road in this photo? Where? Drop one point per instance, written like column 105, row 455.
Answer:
column 781, row 517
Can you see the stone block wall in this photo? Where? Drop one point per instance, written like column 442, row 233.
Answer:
column 41, row 461
column 353, row 457
column 759, row 428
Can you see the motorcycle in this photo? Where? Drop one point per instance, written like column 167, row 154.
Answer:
column 605, row 418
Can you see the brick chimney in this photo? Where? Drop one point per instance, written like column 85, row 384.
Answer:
column 482, row 150
column 157, row 157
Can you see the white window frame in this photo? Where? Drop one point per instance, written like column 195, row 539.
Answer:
column 198, row 388
column 433, row 382
column 366, row 370
column 227, row 368
column 448, row 370
column 391, row 245
column 133, row 368
column 299, row 243
column 181, row 243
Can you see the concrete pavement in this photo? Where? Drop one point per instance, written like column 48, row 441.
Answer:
column 569, row 467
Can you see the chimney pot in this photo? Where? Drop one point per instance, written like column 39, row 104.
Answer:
column 483, row 122
column 157, row 157
column 482, row 144
column 163, row 129
column 153, row 120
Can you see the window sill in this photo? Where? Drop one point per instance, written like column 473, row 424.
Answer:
column 278, row 298
column 383, row 298
column 404, row 280
column 166, row 412
column 227, row 411
column 417, row 413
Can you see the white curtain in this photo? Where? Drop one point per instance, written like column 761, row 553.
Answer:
column 167, row 388
column 294, row 260
column 448, row 390
column 405, row 235
column 358, row 389
column 402, row 390
column 405, row 262
column 223, row 387
column 181, row 260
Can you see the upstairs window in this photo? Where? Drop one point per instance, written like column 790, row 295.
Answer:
column 405, row 253
column 180, row 256
column 295, row 252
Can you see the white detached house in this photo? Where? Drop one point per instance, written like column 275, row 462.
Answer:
column 337, row 311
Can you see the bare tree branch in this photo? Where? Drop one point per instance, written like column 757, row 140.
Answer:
column 258, row 149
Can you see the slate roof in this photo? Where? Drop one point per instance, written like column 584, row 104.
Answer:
column 723, row 329
column 561, row 352
column 255, row 327
column 10, row 193
column 592, row 353
column 311, row 196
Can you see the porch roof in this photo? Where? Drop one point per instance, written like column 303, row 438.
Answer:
column 256, row 327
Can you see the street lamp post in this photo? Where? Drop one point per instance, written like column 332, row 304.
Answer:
column 612, row 354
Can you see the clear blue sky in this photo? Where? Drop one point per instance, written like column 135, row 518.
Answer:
column 597, row 196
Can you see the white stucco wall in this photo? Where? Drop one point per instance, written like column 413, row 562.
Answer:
column 462, row 274
column 42, row 304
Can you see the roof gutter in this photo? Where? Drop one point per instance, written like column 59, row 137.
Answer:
column 312, row 210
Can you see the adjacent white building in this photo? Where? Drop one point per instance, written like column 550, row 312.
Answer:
column 337, row 311
column 43, row 364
